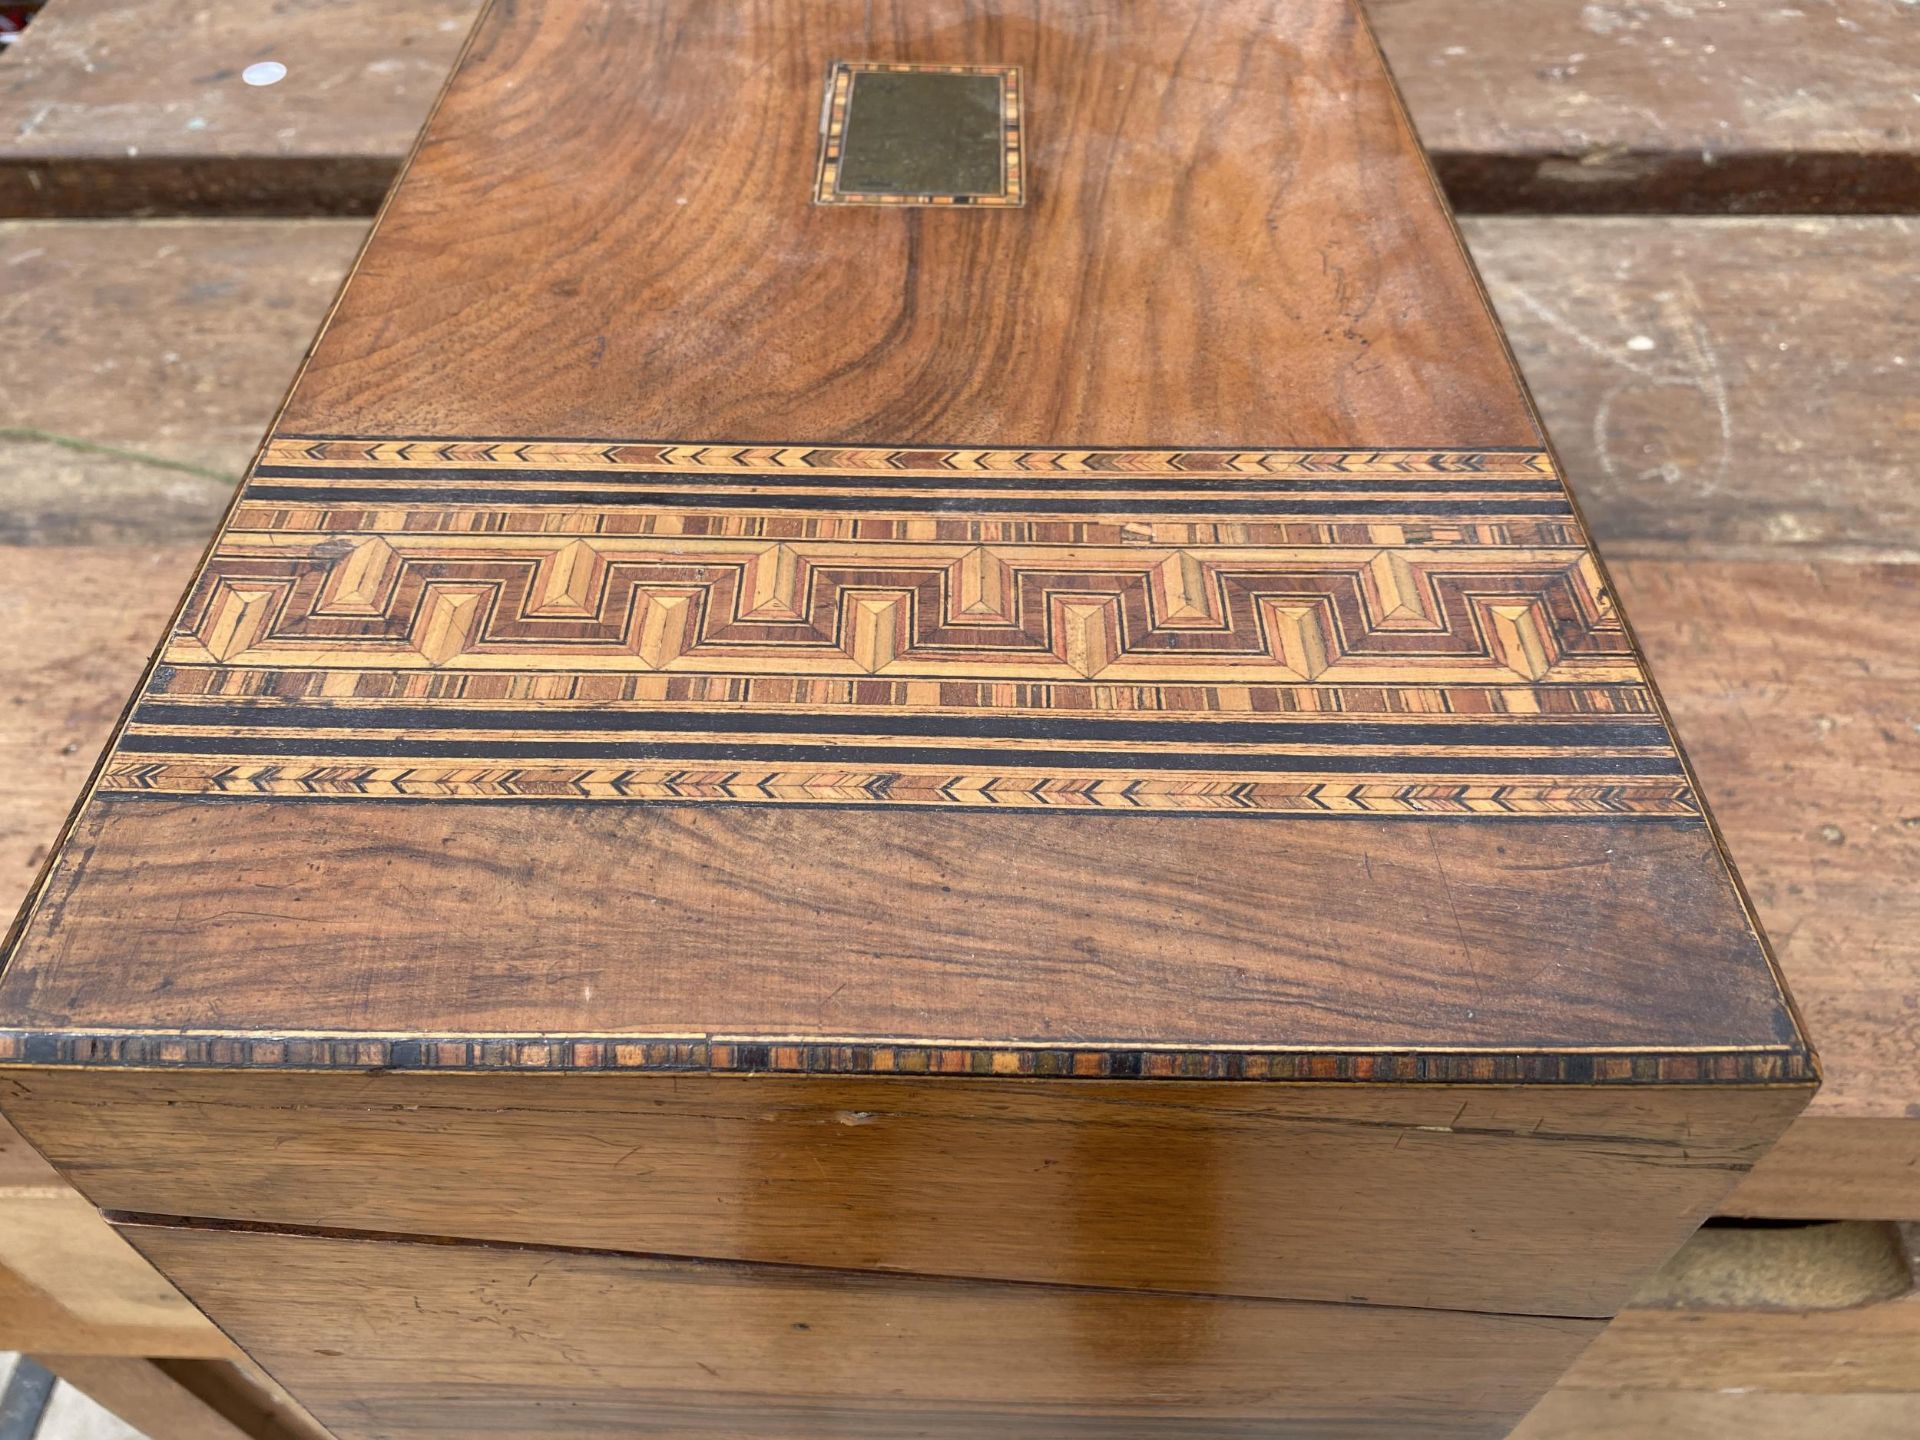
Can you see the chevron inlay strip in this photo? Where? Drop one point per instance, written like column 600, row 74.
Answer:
column 1293, row 632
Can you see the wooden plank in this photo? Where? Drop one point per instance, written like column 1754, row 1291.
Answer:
column 1579, row 106
column 1838, row 1164
column 1724, row 387
column 160, row 352
column 31, row 1316
column 1626, row 105
column 102, row 113
column 20, row 1164
column 70, row 1281
column 1800, row 683
column 145, row 1395
column 67, row 683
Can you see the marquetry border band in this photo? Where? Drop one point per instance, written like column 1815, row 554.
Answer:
column 783, row 1055
column 1233, row 630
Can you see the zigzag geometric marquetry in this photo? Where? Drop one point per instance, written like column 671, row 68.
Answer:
column 1270, row 631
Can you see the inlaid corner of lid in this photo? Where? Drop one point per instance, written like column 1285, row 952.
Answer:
column 905, row 134
column 1204, row 631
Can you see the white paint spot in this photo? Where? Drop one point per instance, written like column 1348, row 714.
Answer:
column 1642, row 342
column 264, row 72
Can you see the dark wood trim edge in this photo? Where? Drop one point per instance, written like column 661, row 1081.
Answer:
column 789, row 1055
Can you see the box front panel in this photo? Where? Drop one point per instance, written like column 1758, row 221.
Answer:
column 402, row 1341
column 1525, row 1200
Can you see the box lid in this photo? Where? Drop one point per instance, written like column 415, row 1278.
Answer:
column 989, row 539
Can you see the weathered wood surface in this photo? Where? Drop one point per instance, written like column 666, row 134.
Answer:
column 144, row 1395
column 76, row 1285
column 1620, row 106
column 1723, row 388
column 160, row 352
column 102, row 113
column 1698, row 1415
column 1758, row 106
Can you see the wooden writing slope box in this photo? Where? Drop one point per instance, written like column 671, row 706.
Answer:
column 905, row 735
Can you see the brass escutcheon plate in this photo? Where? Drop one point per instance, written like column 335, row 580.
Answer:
column 921, row 135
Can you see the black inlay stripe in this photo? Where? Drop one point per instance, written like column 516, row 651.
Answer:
column 1336, row 731
column 602, row 442
column 493, row 749
column 928, row 504
column 1154, row 487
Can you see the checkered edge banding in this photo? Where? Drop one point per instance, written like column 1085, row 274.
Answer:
column 788, row 1056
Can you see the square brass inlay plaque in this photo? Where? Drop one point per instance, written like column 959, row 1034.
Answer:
column 921, row 135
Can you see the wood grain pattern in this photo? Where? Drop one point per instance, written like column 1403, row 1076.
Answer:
column 769, row 923
column 1821, row 660
column 80, row 1288
column 1385, row 1194
column 1775, row 1371
column 1613, row 1415
column 1837, row 1164
column 1721, row 392
column 410, row 1340
column 139, row 1392
column 68, row 683
column 1159, row 261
